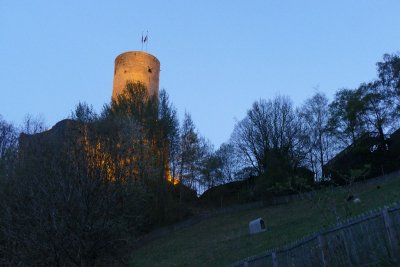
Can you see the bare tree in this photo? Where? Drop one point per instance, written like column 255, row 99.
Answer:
column 268, row 139
column 33, row 124
column 230, row 164
column 8, row 147
column 315, row 121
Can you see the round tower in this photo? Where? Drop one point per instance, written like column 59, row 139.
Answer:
column 136, row 66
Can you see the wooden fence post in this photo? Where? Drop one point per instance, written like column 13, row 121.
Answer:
column 274, row 260
column 391, row 234
column 324, row 251
column 351, row 251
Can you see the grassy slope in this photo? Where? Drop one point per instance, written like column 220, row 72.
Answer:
column 224, row 239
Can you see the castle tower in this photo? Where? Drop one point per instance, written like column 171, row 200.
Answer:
column 136, row 66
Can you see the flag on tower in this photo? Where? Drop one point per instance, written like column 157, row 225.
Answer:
column 145, row 39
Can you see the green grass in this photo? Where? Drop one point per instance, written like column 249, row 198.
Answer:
column 224, row 239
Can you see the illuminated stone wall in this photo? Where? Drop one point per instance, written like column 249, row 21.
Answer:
column 136, row 66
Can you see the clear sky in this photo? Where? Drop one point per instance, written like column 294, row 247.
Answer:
column 217, row 57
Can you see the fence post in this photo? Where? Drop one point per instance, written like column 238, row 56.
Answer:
column 324, row 251
column 391, row 234
column 350, row 250
column 274, row 260
column 245, row 264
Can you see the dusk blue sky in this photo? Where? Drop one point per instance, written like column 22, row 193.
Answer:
column 217, row 57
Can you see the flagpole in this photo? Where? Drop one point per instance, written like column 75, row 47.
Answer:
column 142, row 41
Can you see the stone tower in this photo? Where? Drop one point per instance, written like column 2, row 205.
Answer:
column 136, row 66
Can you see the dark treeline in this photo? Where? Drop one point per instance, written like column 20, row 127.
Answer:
column 280, row 149
column 279, row 142
column 81, row 193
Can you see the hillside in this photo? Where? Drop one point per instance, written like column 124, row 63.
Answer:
column 224, row 239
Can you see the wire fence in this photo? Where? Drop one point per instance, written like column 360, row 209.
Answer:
column 371, row 239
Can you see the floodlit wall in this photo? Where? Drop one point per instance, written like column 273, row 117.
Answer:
column 136, row 66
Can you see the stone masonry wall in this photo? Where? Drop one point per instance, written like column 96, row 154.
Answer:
column 136, row 66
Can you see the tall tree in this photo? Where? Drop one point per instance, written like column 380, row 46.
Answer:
column 345, row 116
column 210, row 166
column 229, row 162
column 136, row 103
column 389, row 75
column 84, row 113
column 133, row 117
column 170, row 138
column 315, row 118
column 378, row 110
column 267, row 138
column 189, row 152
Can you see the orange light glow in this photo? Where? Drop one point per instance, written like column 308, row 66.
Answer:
column 98, row 159
column 171, row 180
